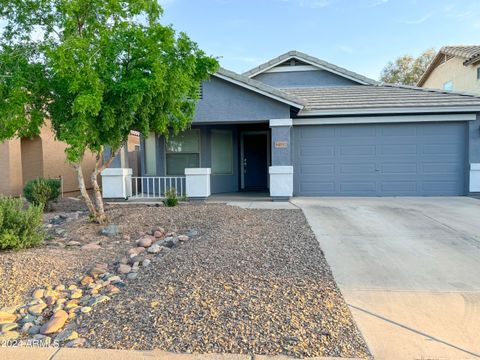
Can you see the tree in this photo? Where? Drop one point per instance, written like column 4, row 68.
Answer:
column 97, row 69
column 406, row 69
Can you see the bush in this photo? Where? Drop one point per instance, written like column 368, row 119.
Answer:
column 20, row 228
column 171, row 198
column 42, row 191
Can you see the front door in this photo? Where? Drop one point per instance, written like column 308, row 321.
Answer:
column 255, row 161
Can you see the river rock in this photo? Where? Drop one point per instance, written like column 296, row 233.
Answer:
column 37, row 309
column 6, row 318
column 55, row 323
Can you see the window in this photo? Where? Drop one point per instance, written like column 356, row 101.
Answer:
column 478, row 73
column 222, row 157
column 448, row 85
column 150, row 155
column 183, row 151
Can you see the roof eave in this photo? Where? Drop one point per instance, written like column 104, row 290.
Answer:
column 391, row 110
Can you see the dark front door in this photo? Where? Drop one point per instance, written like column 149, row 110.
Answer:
column 255, row 161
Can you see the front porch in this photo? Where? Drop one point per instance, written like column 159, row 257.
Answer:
column 222, row 160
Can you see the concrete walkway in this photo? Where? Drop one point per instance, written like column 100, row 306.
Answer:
column 100, row 354
column 409, row 268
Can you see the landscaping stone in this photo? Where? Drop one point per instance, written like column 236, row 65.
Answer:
column 192, row 233
column 34, row 329
column 76, row 294
column 154, row 249
column 55, row 323
column 26, row 327
column 98, row 300
column 111, row 230
column 66, row 335
column 27, row 319
column 8, row 335
column 86, row 280
column 124, row 269
column 158, row 234
column 73, row 243
column 6, row 318
column 145, row 241
column 132, row 276
column 146, row 262
column 9, row 310
column 76, row 343
column 60, row 287
column 38, row 294
column 8, row 327
column 37, row 309
column 91, row 246
column 183, row 238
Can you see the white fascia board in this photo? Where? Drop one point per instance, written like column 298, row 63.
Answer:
column 264, row 93
column 292, row 68
column 383, row 119
column 280, row 122
column 395, row 110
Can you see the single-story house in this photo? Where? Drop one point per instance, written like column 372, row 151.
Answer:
column 300, row 126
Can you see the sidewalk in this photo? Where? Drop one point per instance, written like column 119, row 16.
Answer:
column 23, row 353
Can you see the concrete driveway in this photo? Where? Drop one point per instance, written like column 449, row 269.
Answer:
column 409, row 268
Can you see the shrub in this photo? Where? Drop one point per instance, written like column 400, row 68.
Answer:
column 171, row 198
column 20, row 228
column 42, row 191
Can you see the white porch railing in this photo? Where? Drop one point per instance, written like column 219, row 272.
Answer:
column 155, row 187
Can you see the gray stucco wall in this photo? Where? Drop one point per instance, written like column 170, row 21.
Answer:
column 226, row 102
column 303, row 79
column 281, row 156
column 219, row 183
column 474, row 141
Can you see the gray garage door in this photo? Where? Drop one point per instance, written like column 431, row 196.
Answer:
column 414, row 159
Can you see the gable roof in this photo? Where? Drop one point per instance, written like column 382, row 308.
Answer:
column 470, row 54
column 259, row 88
column 382, row 99
column 321, row 64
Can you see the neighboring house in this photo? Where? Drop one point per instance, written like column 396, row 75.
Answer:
column 25, row 159
column 455, row 68
column 300, row 126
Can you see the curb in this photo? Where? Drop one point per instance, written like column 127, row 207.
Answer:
column 25, row 353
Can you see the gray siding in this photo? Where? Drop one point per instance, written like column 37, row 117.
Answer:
column 226, row 102
column 317, row 78
column 411, row 159
column 474, row 141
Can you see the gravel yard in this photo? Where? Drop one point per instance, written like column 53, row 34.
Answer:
column 253, row 281
column 249, row 281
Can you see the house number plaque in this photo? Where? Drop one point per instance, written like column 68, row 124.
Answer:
column 281, row 144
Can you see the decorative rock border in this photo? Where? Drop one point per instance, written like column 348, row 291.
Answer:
column 52, row 314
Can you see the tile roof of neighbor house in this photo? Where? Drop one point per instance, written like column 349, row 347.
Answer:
column 358, row 98
column 260, row 87
column 311, row 60
column 471, row 54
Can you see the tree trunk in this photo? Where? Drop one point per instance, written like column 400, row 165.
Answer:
column 83, row 190
column 101, row 217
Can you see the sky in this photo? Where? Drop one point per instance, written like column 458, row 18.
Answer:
column 360, row 35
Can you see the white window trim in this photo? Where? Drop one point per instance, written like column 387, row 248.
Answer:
column 165, row 152
column 211, row 151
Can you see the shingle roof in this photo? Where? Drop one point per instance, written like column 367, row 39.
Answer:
column 378, row 98
column 471, row 54
column 260, row 87
column 312, row 60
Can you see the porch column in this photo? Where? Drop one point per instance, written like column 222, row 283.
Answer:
column 281, row 171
